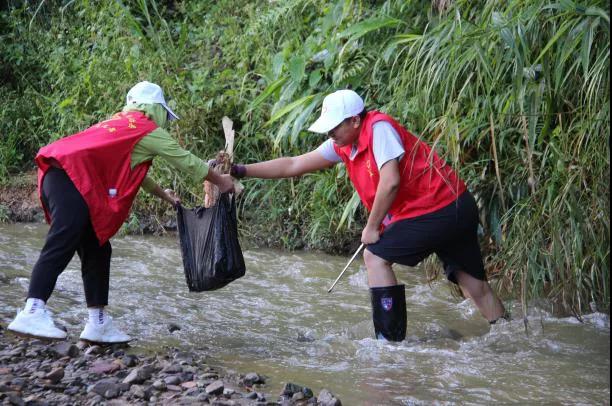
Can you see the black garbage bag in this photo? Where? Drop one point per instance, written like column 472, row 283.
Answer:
column 212, row 257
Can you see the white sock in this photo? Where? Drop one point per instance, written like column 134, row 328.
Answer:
column 97, row 315
column 33, row 304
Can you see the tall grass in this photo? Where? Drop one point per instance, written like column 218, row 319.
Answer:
column 513, row 93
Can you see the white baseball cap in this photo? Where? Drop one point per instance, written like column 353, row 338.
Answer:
column 336, row 107
column 149, row 93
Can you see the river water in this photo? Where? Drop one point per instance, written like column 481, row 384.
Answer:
column 280, row 321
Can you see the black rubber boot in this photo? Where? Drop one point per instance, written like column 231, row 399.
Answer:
column 389, row 312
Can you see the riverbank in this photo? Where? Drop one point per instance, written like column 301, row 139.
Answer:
column 37, row 372
column 19, row 203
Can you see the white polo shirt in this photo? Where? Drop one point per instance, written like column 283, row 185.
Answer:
column 386, row 142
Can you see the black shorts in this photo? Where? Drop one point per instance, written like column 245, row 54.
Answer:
column 451, row 233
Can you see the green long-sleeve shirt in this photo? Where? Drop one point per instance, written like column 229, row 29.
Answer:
column 159, row 143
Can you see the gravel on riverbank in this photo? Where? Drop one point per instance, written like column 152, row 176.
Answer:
column 39, row 372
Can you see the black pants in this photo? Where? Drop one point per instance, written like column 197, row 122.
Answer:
column 70, row 231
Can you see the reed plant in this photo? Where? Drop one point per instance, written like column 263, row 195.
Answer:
column 514, row 94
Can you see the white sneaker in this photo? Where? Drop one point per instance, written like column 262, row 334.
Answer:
column 104, row 333
column 36, row 324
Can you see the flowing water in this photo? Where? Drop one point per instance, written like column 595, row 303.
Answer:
column 280, row 321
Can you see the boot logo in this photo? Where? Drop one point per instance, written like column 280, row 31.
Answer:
column 387, row 303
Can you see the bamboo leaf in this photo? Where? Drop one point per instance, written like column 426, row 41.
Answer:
column 297, row 66
column 274, row 86
column 364, row 27
column 585, row 53
column 553, row 40
column 349, row 210
column 288, row 108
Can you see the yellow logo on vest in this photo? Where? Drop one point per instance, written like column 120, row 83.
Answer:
column 369, row 168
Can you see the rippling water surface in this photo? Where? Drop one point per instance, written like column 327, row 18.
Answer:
column 280, row 321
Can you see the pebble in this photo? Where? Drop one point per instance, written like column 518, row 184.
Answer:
column 253, row 378
column 173, row 327
column 55, row 375
column 215, row 388
column 36, row 373
column 159, row 385
column 66, row 348
column 172, row 380
column 138, row 375
column 326, row 398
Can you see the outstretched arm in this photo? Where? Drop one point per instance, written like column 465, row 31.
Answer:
column 288, row 167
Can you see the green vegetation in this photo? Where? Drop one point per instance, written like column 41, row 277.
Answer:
column 513, row 93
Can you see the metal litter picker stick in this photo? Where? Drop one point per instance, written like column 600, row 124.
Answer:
column 346, row 267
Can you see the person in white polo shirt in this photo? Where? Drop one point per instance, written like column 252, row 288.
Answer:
column 417, row 205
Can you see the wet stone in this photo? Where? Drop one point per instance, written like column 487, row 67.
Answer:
column 138, row 375
column 159, row 385
column 64, row 349
column 15, row 399
column 224, row 402
column 253, row 378
column 194, row 392
column 209, row 375
column 104, row 367
column 189, row 385
column 55, row 375
column 326, row 398
column 130, row 360
column 94, row 350
column 173, row 369
column 172, row 380
column 290, row 388
column 172, row 327
column 215, row 388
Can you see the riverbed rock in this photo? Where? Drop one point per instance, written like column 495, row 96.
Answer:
column 65, row 349
column 138, row 375
column 215, row 388
column 172, row 369
column 172, row 327
column 109, row 388
column 326, row 398
column 189, row 385
column 253, row 378
column 290, row 388
column 104, row 367
column 130, row 360
column 40, row 373
column 55, row 375
column 172, row 380
column 159, row 385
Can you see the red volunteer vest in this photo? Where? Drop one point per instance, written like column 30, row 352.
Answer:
column 427, row 182
column 97, row 160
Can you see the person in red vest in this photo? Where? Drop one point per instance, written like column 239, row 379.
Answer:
column 87, row 183
column 417, row 205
